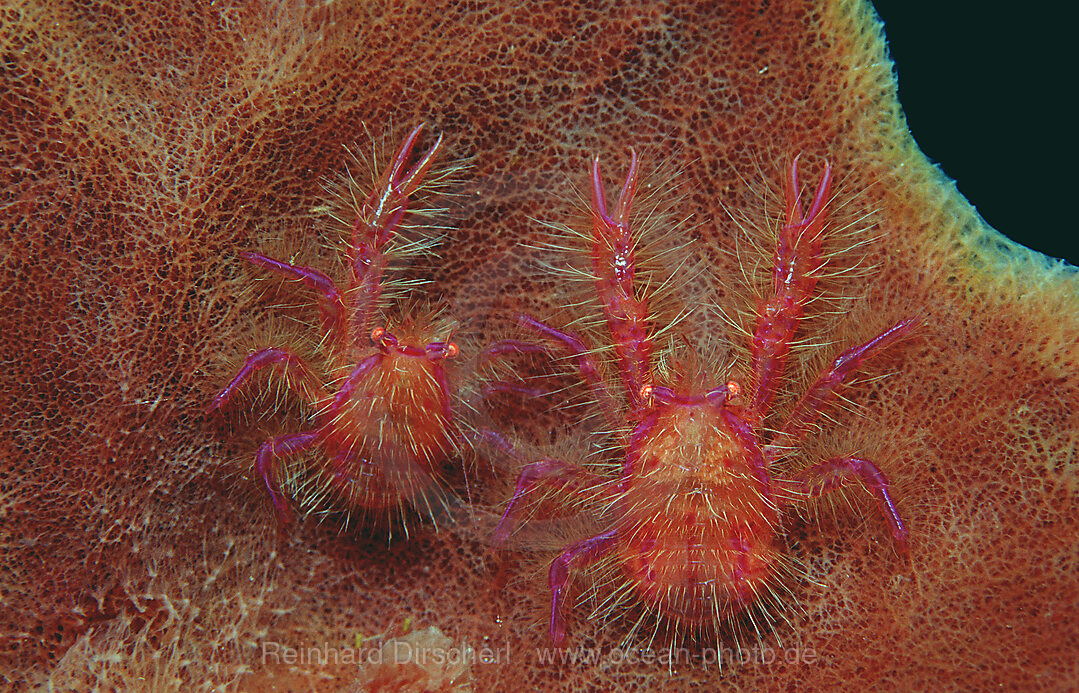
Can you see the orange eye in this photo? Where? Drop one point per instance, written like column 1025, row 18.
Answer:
column 733, row 388
column 376, row 334
column 451, row 350
column 646, row 391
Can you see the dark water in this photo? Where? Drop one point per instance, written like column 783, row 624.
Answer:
column 986, row 88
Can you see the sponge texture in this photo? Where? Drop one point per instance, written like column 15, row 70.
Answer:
column 144, row 145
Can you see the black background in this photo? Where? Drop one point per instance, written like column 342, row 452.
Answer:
column 989, row 92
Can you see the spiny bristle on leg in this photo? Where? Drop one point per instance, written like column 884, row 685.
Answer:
column 666, row 264
column 416, row 235
column 848, row 244
column 280, row 383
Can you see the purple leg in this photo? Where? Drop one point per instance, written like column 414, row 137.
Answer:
column 387, row 202
column 514, row 346
column 376, row 221
column 500, row 386
column 823, row 389
column 794, row 279
column 268, row 453
column 547, row 471
column 578, row 555
column 614, row 265
column 359, row 372
column 839, row 471
column 331, row 309
column 581, row 355
column 487, row 436
column 297, row 374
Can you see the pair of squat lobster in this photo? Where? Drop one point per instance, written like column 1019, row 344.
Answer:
column 693, row 520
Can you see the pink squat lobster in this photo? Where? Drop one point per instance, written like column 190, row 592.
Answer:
column 386, row 429
column 693, row 519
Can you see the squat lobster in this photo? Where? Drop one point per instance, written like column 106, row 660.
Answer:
column 692, row 520
column 386, row 428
